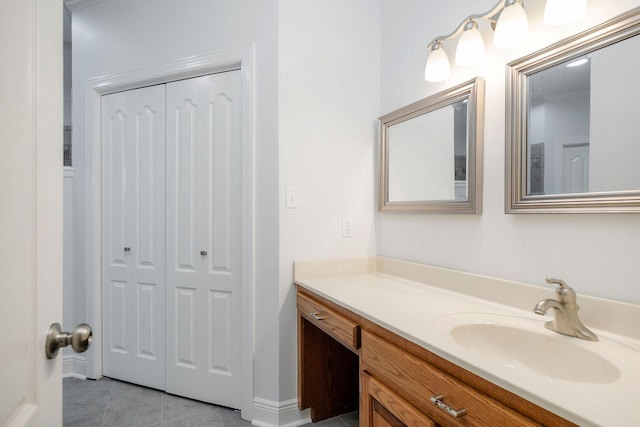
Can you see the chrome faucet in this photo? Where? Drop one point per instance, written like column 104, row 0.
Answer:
column 565, row 320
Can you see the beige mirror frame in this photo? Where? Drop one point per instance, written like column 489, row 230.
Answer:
column 517, row 200
column 472, row 92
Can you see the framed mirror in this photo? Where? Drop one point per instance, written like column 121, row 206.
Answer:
column 431, row 153
column 572, row 123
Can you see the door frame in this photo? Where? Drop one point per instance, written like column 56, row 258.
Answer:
column 194, row 66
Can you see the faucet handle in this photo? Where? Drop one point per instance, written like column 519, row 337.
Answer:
column 559, row 282
column 563, row 290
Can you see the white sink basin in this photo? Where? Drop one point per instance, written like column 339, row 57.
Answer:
column 525, row 344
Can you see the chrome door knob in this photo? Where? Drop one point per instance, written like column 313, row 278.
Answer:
column 80, row 339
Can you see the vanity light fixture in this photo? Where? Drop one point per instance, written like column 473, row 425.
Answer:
column 512, row 27
column 509, row 21
column 438, row 67
column 470, row 50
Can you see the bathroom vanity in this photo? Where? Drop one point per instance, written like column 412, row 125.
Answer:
column 374, row 335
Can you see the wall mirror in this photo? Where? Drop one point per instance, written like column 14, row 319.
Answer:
column 572, row 123
column 431, row 153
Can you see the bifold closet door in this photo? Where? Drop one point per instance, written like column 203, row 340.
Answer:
column 204, row 238
column 133, row 235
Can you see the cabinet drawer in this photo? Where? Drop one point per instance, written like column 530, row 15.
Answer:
column 337, row 326
column 420, row 384
column 382, row 407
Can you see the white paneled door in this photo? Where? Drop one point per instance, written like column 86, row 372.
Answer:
column 204, row 238
column 133, row 255
column 172, row 237
column 30, row 211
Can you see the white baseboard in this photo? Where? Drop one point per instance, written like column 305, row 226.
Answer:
column 74, row 366
column 267, row 413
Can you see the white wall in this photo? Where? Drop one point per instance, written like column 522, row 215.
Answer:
column 596, row 254
column 329, row 101
column 116, row 36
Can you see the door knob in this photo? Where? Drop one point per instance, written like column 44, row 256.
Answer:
column 80, row 339
column 203, row 253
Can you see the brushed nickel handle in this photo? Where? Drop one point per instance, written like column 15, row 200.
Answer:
column 316, row 316
column 437, row 400
column 80, row 339
column 203, row 253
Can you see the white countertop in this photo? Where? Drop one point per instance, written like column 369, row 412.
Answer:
column 410, row 308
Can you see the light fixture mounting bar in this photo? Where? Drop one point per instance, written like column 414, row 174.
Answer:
column 490, row 16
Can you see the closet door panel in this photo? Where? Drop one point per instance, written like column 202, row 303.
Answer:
column 150, row 158
column 133, row 206
column 117, row 327
column 184, row 364
column 185, row 328
column 184, row 136
column 216, row 212
column 114, row 186
column 223, row 213
column 220, row 182
column 148, row 319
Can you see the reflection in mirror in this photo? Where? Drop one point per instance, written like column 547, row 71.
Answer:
column 571, row 115
column 437, row 139
column 431, row 153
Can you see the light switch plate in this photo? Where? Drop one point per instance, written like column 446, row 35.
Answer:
column 347, row 227
column 291, row 196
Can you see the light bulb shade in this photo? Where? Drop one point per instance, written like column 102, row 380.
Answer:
column 512, row 26
column 437, row 68
column 470, row 50
column 559, row 12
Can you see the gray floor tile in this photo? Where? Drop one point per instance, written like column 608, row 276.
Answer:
column 231, row 418
column 351, row 419
column 124, row 394
column 202, row 420
column 82, row 418
column 175, row 407
column 331, row 422
column 85, row 396
column 138, row 414
column 113, row 403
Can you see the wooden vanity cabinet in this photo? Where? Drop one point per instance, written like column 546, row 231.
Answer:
column 440, row 397
column 399, row 383
column 328, row 362
column 381, row 407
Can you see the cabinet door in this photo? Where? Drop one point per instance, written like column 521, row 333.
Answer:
column 133, row 257
column 381, row 407
column 204, row 238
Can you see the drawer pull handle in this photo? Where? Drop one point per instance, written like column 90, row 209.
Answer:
column 316, row 316
column 437, row 400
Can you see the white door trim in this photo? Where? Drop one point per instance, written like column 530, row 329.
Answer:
column 240, row 58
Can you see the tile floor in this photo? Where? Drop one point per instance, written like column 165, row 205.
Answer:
column 112, row 403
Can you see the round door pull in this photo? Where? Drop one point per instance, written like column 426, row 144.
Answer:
column 80, row 339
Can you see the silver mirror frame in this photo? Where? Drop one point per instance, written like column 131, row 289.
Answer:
column 473, row 90
column 516, row 198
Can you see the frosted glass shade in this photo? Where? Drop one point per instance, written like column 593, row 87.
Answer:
column 437, row 68
column 558, row 12
column 470, row 50
column 512, row 27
